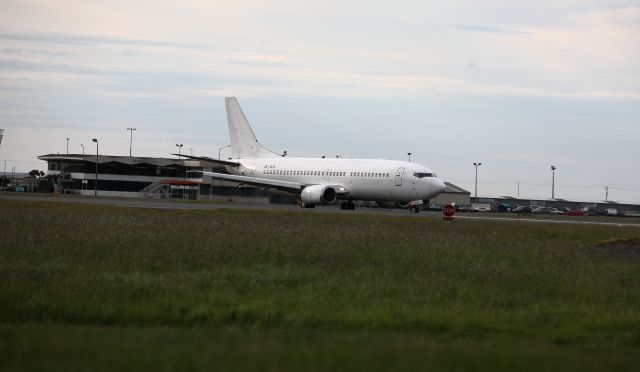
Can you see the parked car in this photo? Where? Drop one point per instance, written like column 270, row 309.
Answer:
column 524, row 209
column 546, row 210
column 575, row 212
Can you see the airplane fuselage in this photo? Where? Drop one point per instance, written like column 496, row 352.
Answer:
column 365, row 179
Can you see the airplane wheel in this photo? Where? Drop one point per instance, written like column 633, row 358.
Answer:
column 348, row 206
column 305, row 205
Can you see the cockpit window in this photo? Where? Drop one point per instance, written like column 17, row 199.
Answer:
column 423, row 175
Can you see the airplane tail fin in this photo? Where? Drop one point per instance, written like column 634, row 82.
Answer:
column 244, row 143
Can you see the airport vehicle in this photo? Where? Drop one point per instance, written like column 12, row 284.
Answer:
column 524, row 209
column 321, row 180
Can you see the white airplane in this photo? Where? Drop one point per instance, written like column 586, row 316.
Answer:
column 322, row 180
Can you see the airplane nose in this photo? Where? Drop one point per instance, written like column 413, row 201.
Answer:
column 439, row 185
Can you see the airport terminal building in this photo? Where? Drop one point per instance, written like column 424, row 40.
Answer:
column 146, row 177
column 123, row 175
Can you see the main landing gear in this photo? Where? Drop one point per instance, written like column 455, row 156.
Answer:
column 348, row 205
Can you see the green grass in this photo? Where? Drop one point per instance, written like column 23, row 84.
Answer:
column 95, row 287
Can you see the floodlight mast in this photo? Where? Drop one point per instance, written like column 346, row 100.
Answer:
column 553, row 181
column 96, row 185
column 476, row 184
column 130, row 139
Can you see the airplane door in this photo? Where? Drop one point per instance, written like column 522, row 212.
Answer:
column 399, row 174
column 326, row 174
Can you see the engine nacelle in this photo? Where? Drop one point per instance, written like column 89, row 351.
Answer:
column 318, row 194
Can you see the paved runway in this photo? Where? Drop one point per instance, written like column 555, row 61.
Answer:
column 193, row 205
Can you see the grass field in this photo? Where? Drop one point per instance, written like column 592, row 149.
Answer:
column 107, row 288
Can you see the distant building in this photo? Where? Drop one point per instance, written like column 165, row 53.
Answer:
column 506, row 203
column 146, row 177
column 125, row 175
column 452, row 194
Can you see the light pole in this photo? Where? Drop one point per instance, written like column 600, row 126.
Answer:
column 82, row 148
column 476, row 165
column 409, row 156
column 553, row 181
column 97, row 147
column 179, row 149
column 67, row 146
column 130, row 139
column 220, row 149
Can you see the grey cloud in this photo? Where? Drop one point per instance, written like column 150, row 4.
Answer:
column 126, row 79
column 56, row 53
column 258, row 63
column 47, row 53
column 131, row 52
column 20, row 65
column 11, row 51
column 480, row 28
column 70, row 39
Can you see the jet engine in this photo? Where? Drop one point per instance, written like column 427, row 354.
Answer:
column 318, row 194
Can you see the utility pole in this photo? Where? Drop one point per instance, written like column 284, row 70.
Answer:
column 409, row 156
column 476, row 189
column 179, row 149
column 606, row 194
column 67, row 146
column 96, row 185
column 553, row 181
column 82, row 148
column 130, row 139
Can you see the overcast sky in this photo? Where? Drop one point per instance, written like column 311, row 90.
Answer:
column 518, row 86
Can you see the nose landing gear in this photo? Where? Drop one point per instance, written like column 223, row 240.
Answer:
column 348, row 205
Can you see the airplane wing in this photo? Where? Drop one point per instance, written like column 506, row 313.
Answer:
column 206, row 158
column 257, row 181
column 294, row 187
